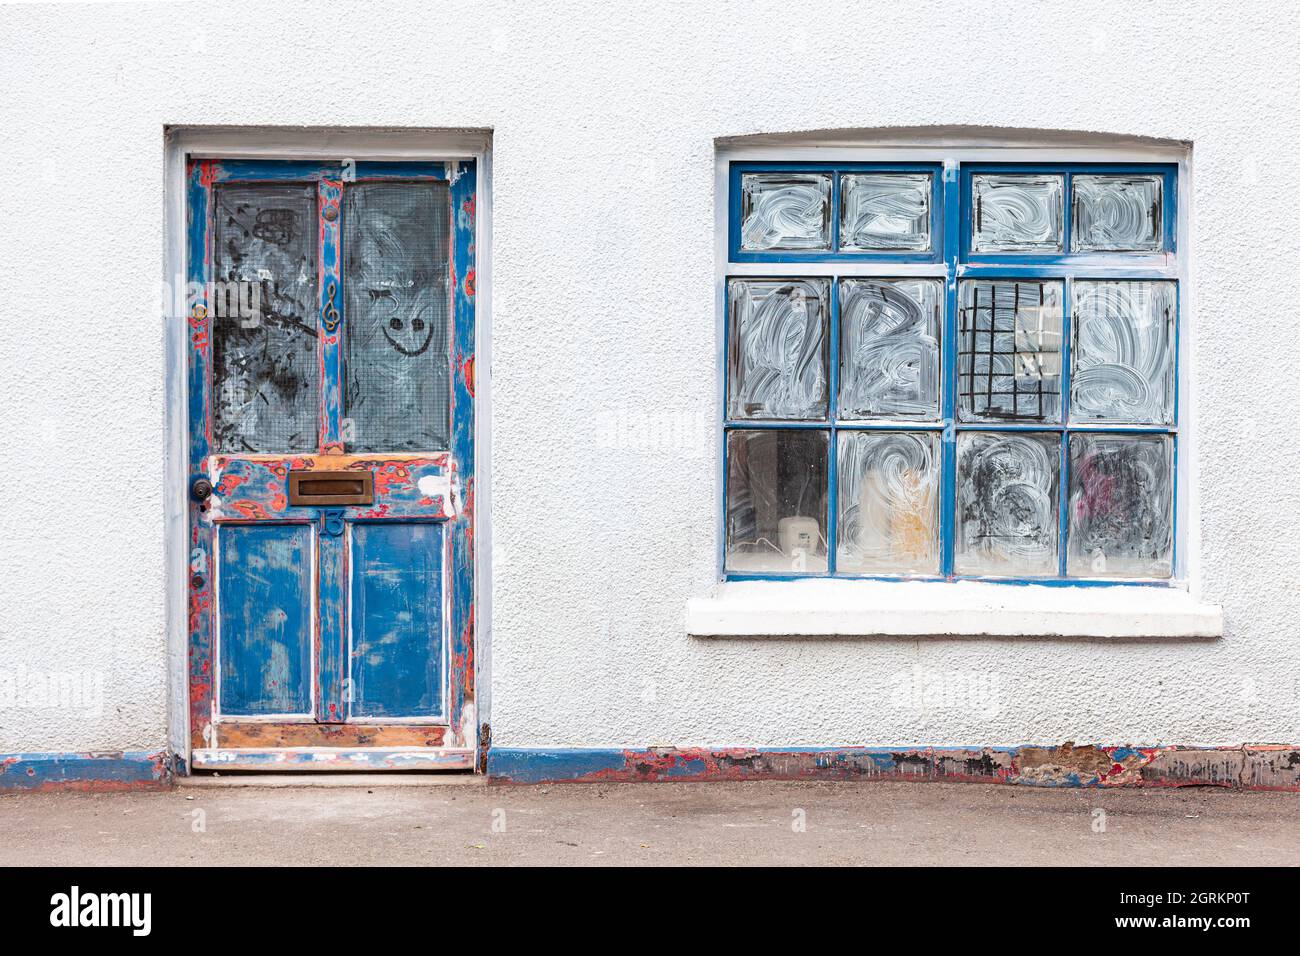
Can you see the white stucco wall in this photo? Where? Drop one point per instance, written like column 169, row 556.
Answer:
column 603, row 392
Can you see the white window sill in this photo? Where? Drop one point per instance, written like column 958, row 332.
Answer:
column 827, row 608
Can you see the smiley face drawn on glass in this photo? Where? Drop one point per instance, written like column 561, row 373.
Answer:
column 397, row 322
column 400, row 289
column 406, row 329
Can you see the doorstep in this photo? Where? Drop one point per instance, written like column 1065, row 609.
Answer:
column 368, row 780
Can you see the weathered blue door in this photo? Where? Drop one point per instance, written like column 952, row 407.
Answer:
column 331, row 389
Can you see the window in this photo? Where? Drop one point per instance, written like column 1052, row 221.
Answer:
column 951, row 369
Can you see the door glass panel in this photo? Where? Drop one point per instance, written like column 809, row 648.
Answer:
column 265, row 377
column 395, row 279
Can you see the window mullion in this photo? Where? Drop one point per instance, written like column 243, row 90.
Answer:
column 1063, row 470
column 951, row 253
column 833, row 413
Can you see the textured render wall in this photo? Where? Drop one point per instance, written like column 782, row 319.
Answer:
column 604, row 347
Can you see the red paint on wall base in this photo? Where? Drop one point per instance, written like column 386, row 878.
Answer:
column 1249, row 767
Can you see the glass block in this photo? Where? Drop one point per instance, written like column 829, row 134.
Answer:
column 1009, row 351
column 776, row 500
column 265, row 373
column 785, row 211
column 1117, row 214
column 1007, row 509
column 888, row 493
column 777, row 349
column 396, row 264
column 1121, row 355
column 889, row 348
column 1121, row 506
column 1017, row 213
column 885, row 212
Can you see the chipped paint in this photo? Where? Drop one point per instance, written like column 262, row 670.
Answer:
column 442, row 490
column 303, row 758
column 93, row 772
column 352, row 747
column 257, row 487
column 412, row 489
column 1252, row 767
column 260, row 735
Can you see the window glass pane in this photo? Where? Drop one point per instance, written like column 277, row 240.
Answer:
column 888, row 492
column 1017, row 213
column 776, row 500
column 1007, row 510
column 889, row 348
column 885, row 212
column 778, row 348
column 1121, row 506
column 789, row 211
column 265, row 374
column 1116, row 214
column 395, row 278
column 1121, row 356
column 1009, row 351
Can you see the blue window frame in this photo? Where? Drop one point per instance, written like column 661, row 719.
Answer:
column 976, row 380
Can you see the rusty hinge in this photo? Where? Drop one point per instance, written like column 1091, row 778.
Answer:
column 484, row 743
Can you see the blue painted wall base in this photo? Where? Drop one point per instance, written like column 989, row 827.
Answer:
column 1247, row 767
column 121, row 770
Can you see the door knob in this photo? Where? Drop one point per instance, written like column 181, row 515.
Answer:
column 200, row 489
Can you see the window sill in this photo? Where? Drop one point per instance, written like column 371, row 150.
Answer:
column 826, row 608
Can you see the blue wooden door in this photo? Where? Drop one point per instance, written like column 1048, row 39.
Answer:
column 331, row 389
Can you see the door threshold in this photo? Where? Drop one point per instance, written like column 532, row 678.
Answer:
column 332, row 759
column 367, row 780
